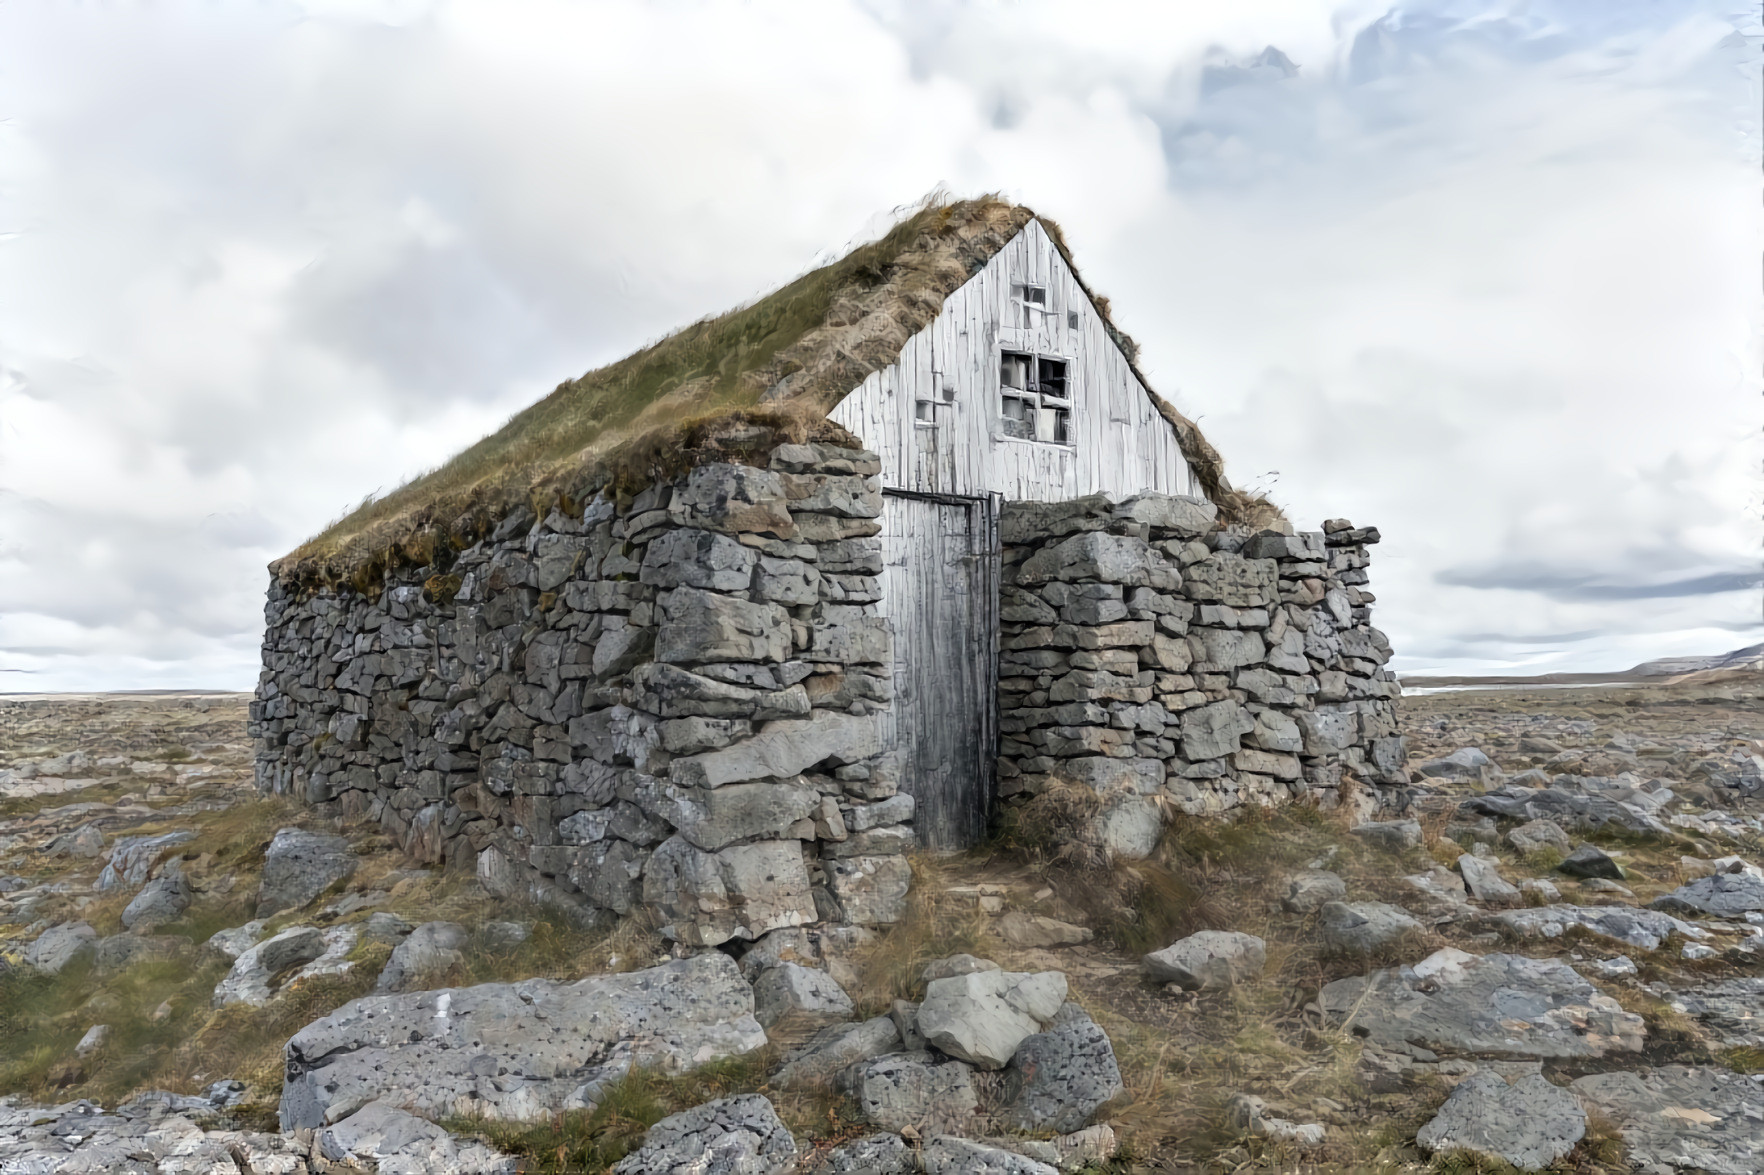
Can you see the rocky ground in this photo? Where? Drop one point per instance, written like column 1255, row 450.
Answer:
column 1552, row 958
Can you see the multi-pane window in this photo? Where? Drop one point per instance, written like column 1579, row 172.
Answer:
column 1035, row 397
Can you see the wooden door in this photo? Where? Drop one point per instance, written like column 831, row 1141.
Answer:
column 940, row 587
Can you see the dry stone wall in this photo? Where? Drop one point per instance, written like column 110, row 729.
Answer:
column 1160, row 661
column 669, row 702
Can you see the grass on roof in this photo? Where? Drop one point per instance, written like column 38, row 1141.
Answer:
column 739, row 382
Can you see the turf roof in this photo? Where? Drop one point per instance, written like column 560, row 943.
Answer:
column 725, row 388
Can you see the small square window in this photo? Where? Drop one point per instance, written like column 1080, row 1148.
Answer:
column 1050, row 377
column 1035, row 295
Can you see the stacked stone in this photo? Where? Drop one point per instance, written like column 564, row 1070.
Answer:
column 1155, row 658
column 669, row 702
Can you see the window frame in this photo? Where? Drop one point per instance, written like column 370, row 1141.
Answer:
column 1034, row 398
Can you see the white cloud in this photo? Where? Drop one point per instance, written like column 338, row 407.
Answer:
column 1480, row 273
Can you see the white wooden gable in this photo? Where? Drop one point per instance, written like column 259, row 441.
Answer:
column 935, row 415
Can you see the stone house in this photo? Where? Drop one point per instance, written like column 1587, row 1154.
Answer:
column 723, row 630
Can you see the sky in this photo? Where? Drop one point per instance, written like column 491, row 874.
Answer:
column 1484, row 275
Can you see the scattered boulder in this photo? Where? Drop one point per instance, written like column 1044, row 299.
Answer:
column 1493, row 1005
column 1210, row 960
column 1536, row 835
column 915, row 1090
column 1363, row 927
column 879, row 1154
column 503, row 935
column 388, row 1140
column 298, row 866
column 1467, row 763
column 1646, row 929
column 236, row 940
column 1022, row 929
column 520, row 1051
column 1721, row 895
column 821, row 1058
column 983, row 1016
column 1615, row 967
column 1307, row 892
column 60, row 945
column 92, row 1041
column 254, row 972
column 730, row 1136
column 1570, row 809
column 132, row 857
column 944, row 1155
column 162, row 900
column 1733, row 1009
column 1062, row 1078
column 430, row 948
column 1680, row 1117
column 1248, row 1114
column 1483, row 878
column 1542, row 887
column 381, row 926
column 798, row 996
column 955, row 965
column 1590, row 861
column 1529, row 1124
column 1393, row 835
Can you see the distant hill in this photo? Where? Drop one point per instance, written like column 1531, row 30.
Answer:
column 1747, row 660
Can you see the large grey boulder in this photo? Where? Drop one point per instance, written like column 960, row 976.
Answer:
column 1536, row 835
column 711, row 820
column 430, row 948
column 519, row 1051
column 298, row 866
column 982, row 1017
column 1682, row 1118
column 1721, row 895
column 132, row 857
column 1489, row 1005
column 1393, row 835
column 1062, row 1078
column 236, row 940
column 60, row 945
column 253, row 974
column 1569, row 809
column 782, row 749
column 1646, row 929
column 1483, row 878
column 872, row 891
column 1466, row 763
column 821, row 1058
column 1310, row 891
column 1209, row 960
column 730, row 1136
column 1590, row 861
column 697, row 627
column 389, row 1141
column 1529, row 1124
column 946, row 1155
column 741, row 891
column 919, row 1090
column 1363, row 927
column 798, row 997
column 162, row 900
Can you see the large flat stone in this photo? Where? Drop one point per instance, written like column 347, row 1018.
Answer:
column 1683, row 1118
column 1529, row 1124
column 1640, row 928
column 730, row 1136
column 1721, row 895
column 927, row 1093
column 782, row 749
column 521, row 1051
column 1488, row 1005
column 983, row 1016
column 298, row 866
column 739, row 892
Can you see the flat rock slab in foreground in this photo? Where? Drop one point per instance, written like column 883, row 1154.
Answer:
column 1724, row 895
column 1529, row 1124
column 518, row 1051
column 1489, row 1005
column 730, row 1136
column 1646, row 929
column 1678, row 1118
